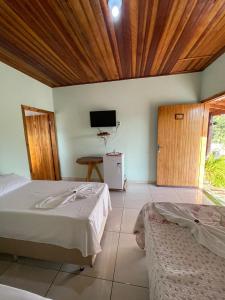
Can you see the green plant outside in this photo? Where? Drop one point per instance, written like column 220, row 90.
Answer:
column 215, row 171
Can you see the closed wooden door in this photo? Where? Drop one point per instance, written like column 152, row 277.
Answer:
column 181, row 144
column 40, row 147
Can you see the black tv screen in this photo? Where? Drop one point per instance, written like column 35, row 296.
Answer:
column 106, row 118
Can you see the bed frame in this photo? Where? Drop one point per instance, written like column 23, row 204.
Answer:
column 47, row 252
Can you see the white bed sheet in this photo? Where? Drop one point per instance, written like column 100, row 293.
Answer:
column 10, row 293
column 178, row 266
column 76, row 225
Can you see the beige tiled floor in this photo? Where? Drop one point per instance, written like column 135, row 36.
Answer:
column 129, row 292
column 130, row 263
column 114, row 220
column 73, row 287
column 129, row 215
column 30, row 278
column 119, row 272
column 4, row 265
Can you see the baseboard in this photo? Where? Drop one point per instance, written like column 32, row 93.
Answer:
column 141, row 181
column 79, row 179
column 97, row 180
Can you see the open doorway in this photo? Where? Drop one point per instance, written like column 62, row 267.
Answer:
column 214, row 181
column 41, row 142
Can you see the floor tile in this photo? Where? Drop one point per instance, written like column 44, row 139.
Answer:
column 163, row 197
column 114, row 220
column 4, row 265
column 137, row 188
column 6, row 257
column 122, row 291
column 128, row 220
column 29, row 278
column 75, row 287
column 105, row 261
column 158, row 188
column 162, row 189
column 117, row 199
column 130, row 263
column 190, row 195
column 193, row 196
column 136, row 200
column 164, row 194
column 39, row 263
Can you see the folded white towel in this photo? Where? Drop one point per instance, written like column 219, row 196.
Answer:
column 69, row 196
column 55, row 201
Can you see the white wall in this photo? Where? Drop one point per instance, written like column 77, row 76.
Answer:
column 213, row 78
column 16, row 89
column 136, row 102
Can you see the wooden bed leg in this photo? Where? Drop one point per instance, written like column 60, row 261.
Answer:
column 15, row 258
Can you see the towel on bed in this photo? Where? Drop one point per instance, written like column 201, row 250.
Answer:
column 68, row 196
column 206, row 222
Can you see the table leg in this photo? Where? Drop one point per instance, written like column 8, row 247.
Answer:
column 99, row 173
column 89, row 173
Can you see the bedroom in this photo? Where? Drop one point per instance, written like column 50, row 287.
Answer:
column 70, row 58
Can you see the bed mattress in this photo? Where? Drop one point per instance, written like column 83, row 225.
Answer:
column 10, row 293
column 76, row 225
column 178, row 266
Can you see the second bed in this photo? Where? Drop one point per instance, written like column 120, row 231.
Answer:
column 179, row 266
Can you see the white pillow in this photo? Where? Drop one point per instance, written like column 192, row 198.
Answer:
column 11, row 182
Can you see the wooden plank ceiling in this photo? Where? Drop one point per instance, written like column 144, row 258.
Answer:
column 66, row 42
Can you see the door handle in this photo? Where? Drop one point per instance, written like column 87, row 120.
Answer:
column 158, row 148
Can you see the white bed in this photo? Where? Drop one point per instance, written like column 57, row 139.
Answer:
column 178, row 266
column 10, row 293
column 77, row 225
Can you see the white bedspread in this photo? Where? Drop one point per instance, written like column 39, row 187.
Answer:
column 179, row 267
column 10, row 293
column 76, row 225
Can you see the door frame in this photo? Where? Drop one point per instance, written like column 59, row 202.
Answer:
column 216, row 103
column 214, row 98
column 53, row 137
column 212, row 107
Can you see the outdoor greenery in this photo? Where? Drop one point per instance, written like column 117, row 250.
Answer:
column 215, row 171
column 219, row 129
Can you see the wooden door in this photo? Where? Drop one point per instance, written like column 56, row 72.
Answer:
column 181, row 144
column 40, row 134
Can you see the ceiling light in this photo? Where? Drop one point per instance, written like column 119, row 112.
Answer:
column 115, row 8
column 115, row 11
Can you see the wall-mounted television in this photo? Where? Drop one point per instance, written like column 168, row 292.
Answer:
column 103, row 118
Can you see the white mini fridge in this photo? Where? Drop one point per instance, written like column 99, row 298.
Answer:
column 113, row 166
